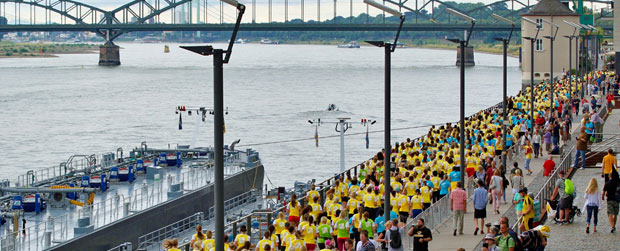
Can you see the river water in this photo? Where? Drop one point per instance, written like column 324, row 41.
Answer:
column 52, row 108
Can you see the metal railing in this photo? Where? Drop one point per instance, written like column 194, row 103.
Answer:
column 38, row 236
column 123, row 247
column 170, row 231
column 107, row 211
column 542, row 194
column 235, row 202
column 147, row 196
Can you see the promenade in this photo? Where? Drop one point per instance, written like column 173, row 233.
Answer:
column 571, row 236
column 443, row 239
column 574, row 235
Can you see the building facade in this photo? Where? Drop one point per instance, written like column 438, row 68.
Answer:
column 555, row 12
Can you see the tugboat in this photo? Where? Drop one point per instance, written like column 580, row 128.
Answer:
column 352, row 44
column 332, row 107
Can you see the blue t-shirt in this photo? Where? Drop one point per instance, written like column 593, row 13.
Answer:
column 509, row 140
column 380, row 221
column 455, row 176
column 445, row 186
column 393, row 215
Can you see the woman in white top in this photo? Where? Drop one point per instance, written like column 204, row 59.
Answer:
column 592, row 204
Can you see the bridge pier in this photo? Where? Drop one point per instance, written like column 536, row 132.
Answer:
column 109, row 55
column 469, row 56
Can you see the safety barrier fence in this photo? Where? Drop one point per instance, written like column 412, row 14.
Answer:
column 38, row 236
column 170, row 231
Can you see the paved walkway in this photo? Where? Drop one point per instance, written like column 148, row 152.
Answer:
column 443, row 238
column 573, row 236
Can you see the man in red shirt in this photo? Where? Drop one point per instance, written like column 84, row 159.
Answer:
column 548, row 166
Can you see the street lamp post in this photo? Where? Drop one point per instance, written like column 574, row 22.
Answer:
column 570, row 57
column 551, row 81
column 532, row 40
column 577, row 61
column 463, row 44
column 218, row 100
column 505, row 42
column 389, row 48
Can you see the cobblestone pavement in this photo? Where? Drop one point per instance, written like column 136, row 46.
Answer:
column 573, row 236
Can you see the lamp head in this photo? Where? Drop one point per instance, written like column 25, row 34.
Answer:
column 383, row 8
column 461, row 15
column 376, row 43
column 502, row 19
column 538, row 26
column 202, row 50
column 454, row 40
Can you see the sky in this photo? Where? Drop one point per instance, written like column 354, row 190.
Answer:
column 262, row 12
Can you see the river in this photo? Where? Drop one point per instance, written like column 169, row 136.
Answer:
column 53, row 108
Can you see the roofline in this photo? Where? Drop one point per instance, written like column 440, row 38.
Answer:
column 563, row 15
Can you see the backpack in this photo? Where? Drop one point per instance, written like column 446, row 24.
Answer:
column 395, row 240
column 569, row 189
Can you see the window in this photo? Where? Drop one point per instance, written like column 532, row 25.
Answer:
column 539, row 45
column 539, row 21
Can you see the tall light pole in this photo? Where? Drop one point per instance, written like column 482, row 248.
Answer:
column 570, row 57
column 389, row 48
column 505, row 42
column 551, row 82
column 463, row 43
column 218, row 107
column 532, row 40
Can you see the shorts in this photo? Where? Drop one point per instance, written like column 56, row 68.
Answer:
column 612, row 207
column 480, row 213
column 498, row 152
column 566, row 203
column 527, row 223
column 521, row 134
column 294, row 219
column 415, row 212
column 310, row 247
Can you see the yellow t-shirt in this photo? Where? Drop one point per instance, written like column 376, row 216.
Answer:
column 426, row 194
column 410, row 188
column 293, row 210
column 240, row 239
column 369, row 200
column 279, row 224
column 262, row 243
column 403, row 203
column 352, row 204
column 416, row 202
column 309, row 232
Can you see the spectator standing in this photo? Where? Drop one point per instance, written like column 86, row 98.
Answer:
column 609, row 162
column 528, row 156
column 458, row 205
column 516, row 182
column 536, row 140
column 611, row 190
column 566, row 200
column 582, row 147
column 548, row 166
column 505, row 242
column 592, row 204
column 481, row 198
column 421, row 236
column 393, row 236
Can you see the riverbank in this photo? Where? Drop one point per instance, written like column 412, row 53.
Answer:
column 27, row 50
column 513, row 50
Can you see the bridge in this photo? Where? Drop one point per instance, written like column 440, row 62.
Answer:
column 263, row 15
